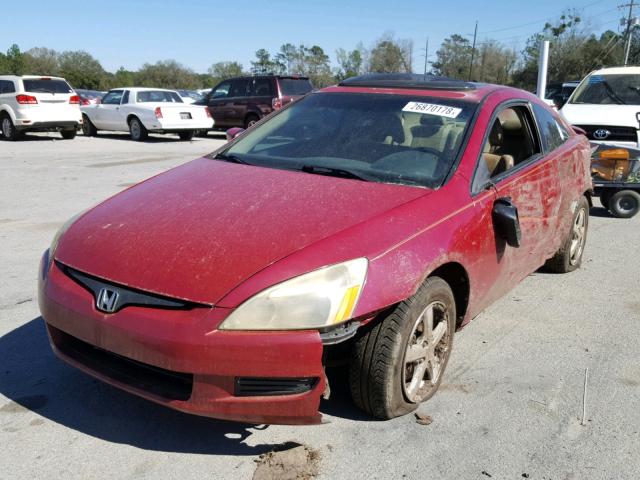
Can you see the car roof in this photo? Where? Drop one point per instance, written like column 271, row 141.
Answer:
column 617, row 71
column 418, row 85
column 29, row 77
column 144, row 89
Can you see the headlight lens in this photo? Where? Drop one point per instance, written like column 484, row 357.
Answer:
column 318, row 299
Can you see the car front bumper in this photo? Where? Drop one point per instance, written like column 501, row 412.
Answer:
column 179, row 359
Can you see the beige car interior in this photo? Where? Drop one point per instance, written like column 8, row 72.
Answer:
column 509, row 142
column 441, row 134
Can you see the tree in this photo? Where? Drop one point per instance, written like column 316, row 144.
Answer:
column 287, row 58
column 349, row 63
column 42, row 61
column 223, row 70
column 123, row 78
column 263, row 64
column 389, row 55
column 316, row 65
column 167, row 74
column 453, row 58
column 81, row 70
column 14, row 61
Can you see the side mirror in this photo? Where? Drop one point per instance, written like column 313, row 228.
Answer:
column 506, row 221
column 234, row 132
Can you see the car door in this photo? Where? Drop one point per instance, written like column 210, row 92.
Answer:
column 513, row 165
column 218, row 103
column 107, row 113
column 237, row 102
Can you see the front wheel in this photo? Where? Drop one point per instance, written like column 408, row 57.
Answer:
column 188, row 135
column 399, row 362
column 625, row 203
column 569, row 257
column 137, row 130
column 88, row 128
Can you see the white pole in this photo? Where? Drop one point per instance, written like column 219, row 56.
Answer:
column 543, row 63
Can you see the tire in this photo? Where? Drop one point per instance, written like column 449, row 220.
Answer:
column 202, row 133
column 88, row 128
column 188, row 135
column 625, row 203
column 68, row 134
column 8, row 129
column 250, row 120
column 137, row 130
column 569, row 257
column 380, row 370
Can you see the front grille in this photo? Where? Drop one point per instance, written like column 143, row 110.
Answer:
column 262, row 386
column 620, row 134
column 125, row 296
column 156, row 381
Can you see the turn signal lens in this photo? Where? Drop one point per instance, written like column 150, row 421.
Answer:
column 615, row 154
column 158, row 112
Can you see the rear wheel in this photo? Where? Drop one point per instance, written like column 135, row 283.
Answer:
column 569, row 257
column 399, row 362
column 68, row 134
column 88, row 128
column 137, row 130
column 625, row 203
column 251, row 120
column 9, row 131
column 188, row 135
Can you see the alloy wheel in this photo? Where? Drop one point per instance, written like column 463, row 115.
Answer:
column 426, row 352
column 577, row 237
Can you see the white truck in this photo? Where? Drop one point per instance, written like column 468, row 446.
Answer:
column 33, row 103
column 143, row 110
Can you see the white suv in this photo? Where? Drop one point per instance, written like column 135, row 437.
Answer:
column 606, row 106
column 35, row 103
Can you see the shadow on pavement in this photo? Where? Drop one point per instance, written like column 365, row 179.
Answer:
column 600, row 212
column 34, row 379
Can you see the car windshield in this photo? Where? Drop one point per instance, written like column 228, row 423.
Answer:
column 295, row 86
column 46, row 86
column 410, row 140
column 160, row 96
column 609, row 89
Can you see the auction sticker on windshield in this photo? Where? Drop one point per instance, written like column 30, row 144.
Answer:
column 432, row 109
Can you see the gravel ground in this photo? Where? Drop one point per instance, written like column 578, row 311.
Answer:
column 510, row 406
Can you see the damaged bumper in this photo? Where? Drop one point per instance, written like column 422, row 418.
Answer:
column 179, row 359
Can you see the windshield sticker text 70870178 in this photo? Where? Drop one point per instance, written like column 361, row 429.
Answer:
column 432, row 109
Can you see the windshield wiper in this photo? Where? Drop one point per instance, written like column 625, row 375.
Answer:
column 231, row 159
column 613, row 95
column 332, row 172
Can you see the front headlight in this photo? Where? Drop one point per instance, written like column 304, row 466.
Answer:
column 318, row 299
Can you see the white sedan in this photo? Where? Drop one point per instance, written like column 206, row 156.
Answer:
column 143, row 110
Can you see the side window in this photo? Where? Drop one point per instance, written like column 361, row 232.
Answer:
column 7, row 86
column 125, row 97
column 112, row 98
column 221, row 90
column 261, row 87
column 553, row 134
column 239, row 87
column 510, row 142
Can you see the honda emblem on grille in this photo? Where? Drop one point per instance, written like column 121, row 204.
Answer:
column 601, row 134
column 107, row 300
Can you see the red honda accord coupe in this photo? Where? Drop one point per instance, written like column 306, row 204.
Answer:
column 366, row 222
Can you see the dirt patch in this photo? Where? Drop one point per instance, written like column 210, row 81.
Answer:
column 295, row 463
column 455, row 387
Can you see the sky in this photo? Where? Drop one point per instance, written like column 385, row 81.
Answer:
column 198, row 33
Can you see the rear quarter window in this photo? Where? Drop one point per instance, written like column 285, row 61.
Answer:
column 37, row 85
column 552, row 132
column 294, row 86
column 7, row 86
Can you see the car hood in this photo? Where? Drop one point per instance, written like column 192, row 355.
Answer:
column 197, row 231
column 606, row 115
